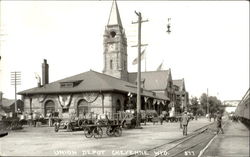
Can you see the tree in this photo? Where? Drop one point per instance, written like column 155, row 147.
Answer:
column 203, row 102
column 211, row 102
column 194, row 105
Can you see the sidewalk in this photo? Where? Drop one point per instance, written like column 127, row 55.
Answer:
column 233, row 143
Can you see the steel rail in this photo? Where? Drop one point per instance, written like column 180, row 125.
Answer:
column 206, row 140
column 205, row 148
column 186, row 138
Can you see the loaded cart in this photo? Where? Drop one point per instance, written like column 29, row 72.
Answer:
column 113, row 128
column 97, row 131
column 72, row 124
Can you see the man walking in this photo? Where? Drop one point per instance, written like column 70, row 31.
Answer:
column 219, row 121
column 185, row 122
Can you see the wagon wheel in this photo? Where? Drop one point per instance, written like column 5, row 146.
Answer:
column 88, row 132
column 57, row 125
column 79, row 123
column 109, row 131
column 13, row 125
column 125, row 125
column 176, row 119
column 70, row 127
column 8, row 125
column 98, row 132
column 118, row 131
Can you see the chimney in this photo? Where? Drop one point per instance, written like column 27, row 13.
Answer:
column 45, row 72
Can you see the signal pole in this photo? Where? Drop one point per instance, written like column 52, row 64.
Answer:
column 209, row 116
column 138, row 105
column 15, row 80
column 207, row 103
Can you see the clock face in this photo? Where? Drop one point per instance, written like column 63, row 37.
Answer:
column 113, row 34
column 112, row 47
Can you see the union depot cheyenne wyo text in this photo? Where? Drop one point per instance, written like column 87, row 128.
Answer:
column 105, row 152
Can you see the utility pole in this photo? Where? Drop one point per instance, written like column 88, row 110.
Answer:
column 209, row 116
column 207, row 103
column 15, row 80
column 138, row 105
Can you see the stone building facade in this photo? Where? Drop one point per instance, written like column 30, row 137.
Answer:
column 80, row 104
column 115, row 46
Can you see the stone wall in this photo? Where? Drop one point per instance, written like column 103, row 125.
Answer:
column 97, row 103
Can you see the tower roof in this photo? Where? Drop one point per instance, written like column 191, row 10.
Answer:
column 114, row 16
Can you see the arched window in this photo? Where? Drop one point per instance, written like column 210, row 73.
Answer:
column 82, row 108
column 49, row 107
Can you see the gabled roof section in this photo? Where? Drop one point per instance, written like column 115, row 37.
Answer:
column 114, row 16
column 153, row 80
column 91, row 81
column 180, row 83
column 7, row 102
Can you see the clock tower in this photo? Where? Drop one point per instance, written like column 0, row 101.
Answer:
column 115, row 46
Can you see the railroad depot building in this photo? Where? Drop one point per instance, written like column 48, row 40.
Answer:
column 108, row 92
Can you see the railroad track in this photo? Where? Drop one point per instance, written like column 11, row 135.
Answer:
column 186, row 146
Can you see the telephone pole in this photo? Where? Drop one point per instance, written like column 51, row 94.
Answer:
column 207, row 103
column 15, row 80
column 138, row 105
column 209, row 116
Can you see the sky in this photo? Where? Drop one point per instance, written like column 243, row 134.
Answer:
column 208, row 45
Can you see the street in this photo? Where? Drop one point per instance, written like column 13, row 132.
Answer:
column 43, row 141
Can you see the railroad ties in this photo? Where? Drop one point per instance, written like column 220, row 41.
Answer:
column 193, row 144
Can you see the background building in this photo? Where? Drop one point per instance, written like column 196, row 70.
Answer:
column 230, row 105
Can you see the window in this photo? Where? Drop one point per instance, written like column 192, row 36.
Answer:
column 67, row 84
column 70, row 84
column 49, row 108
column 82, row 108
column 65, row 110
column 112, row 34
column 111, row 64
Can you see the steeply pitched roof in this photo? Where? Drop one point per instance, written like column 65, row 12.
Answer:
column 114, row 16
column 180, row 83
column 7, row 102
column 153, row 80
column 88, row 82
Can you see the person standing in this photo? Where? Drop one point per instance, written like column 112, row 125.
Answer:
column 161, row 118
column 181, row 121
column 185, row 122
column 50, row 118
column 219, row 121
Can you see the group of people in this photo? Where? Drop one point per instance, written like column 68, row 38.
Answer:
column 185, row 121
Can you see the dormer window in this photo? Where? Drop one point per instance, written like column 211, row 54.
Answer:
column 66, row 84
column 70, row 84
